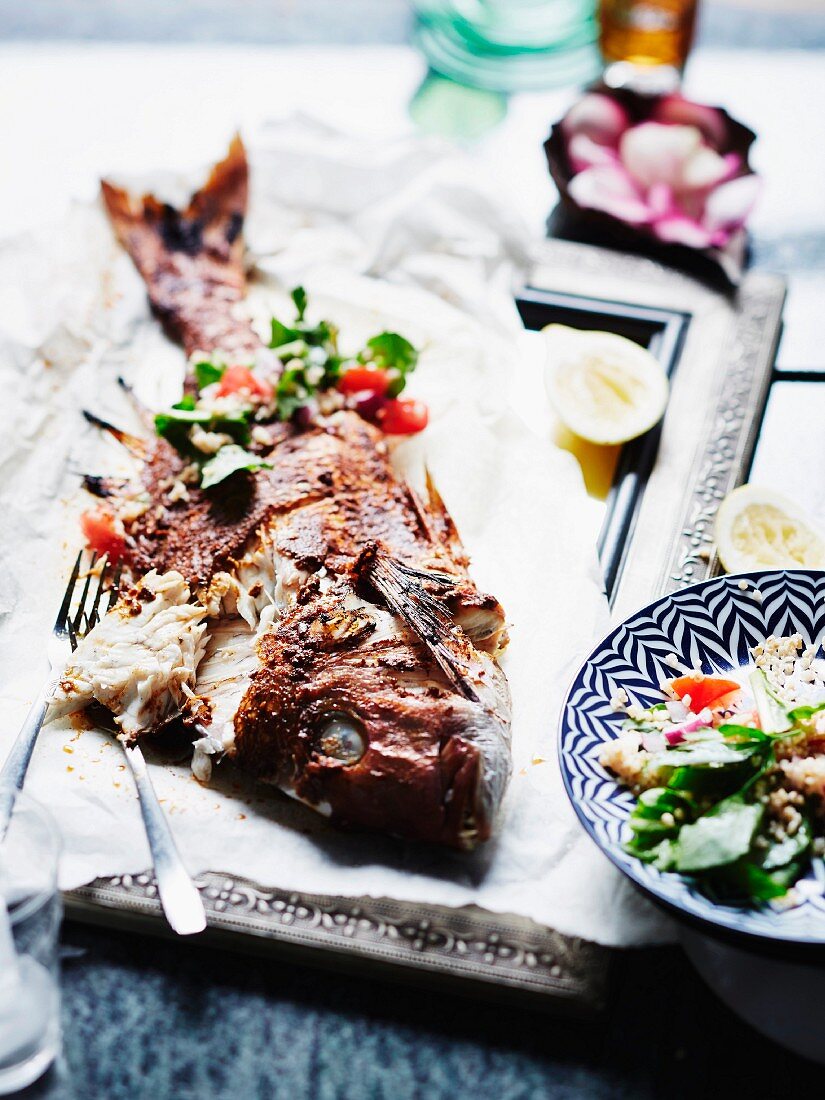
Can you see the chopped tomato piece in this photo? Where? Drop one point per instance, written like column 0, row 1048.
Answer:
column 364, row 380
column 401, row 416
column 104, row 533
column 705, row 691
column 236, row 379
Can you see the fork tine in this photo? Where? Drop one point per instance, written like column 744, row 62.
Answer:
column 78, row 619
column 63, row 614
column 93, row 617
column 72, row 635
column 113, row 593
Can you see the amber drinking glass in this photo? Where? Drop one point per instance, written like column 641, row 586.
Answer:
column 647, row 33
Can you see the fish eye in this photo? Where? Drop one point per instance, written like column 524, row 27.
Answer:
column 341, row 737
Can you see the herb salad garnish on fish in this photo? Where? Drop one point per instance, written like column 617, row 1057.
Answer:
column 343, row 653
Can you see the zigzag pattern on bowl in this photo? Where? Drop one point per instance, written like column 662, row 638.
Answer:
column 711, row 626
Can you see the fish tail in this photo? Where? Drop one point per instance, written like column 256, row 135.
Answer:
column 192, row 260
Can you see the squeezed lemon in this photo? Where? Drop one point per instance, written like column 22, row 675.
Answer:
column 757, row 528
column 603, row 387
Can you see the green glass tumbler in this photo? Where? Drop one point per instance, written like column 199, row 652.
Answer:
column 510, row 45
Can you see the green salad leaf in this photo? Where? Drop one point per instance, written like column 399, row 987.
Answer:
column 229, row 460
column 712, row 751
column 790, row 849
column 710, row 818
column 773, row 713
column 656, row 820
column 720, row 836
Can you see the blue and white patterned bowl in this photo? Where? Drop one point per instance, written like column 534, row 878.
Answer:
column 710, row 625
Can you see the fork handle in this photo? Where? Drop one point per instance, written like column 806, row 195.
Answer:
column 179, row 897
column 17, row 762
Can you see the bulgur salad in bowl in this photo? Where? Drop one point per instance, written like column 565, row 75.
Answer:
column 692, row 746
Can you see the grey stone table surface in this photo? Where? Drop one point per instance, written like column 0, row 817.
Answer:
column 160, row 1019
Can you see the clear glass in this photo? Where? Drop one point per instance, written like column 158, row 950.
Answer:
column 509, row 45
column 30, row 914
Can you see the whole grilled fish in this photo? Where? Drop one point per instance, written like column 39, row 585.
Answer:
column 349, row 658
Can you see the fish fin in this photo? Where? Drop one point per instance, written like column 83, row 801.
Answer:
column 408, row 592
column 102, row 486
column 192, row 260
column 145, row 414
column 133, row 443
column 442, row 522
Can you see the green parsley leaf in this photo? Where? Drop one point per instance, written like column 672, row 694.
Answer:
column 282, row 334
column 174, row 425
column 804, row 714
column 299, row 297
column 228, row 461
column 391, row 352
column 207, row 373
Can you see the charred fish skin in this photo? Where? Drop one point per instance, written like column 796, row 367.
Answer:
column 192, row 260
column 377, row 698
column 432, row 765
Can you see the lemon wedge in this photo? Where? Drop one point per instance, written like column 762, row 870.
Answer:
column 759, row 529
column 603, row 387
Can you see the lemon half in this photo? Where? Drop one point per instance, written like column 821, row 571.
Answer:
column 603, row 387
column 757, row 528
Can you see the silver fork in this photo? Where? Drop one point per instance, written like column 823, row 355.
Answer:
column 179, row 898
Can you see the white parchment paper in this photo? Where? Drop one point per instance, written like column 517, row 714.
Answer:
column 404, row 236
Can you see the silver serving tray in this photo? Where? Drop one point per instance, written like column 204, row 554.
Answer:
column 657, row 537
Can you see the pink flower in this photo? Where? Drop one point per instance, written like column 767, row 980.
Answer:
column 667, row 172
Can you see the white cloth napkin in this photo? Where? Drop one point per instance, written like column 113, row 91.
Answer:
column 407, row 236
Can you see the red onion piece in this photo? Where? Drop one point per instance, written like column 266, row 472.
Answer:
column 653, row 740
column 306, row 414
column 367, row 403
column 675, row 735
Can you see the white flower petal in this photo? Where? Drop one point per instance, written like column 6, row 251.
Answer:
column 678, row 229
column 601, row 118
column 704, row 169
column 729, row 204
column 583, row 152
column 610, row 190
column 675, row 109
column 654, row 153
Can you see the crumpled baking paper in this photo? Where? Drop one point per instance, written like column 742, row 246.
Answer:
column 406, row 236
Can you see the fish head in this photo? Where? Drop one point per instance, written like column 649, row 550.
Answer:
column 350, row 714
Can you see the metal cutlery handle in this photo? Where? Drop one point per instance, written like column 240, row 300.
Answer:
column 17, row 762
column 179, row 897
